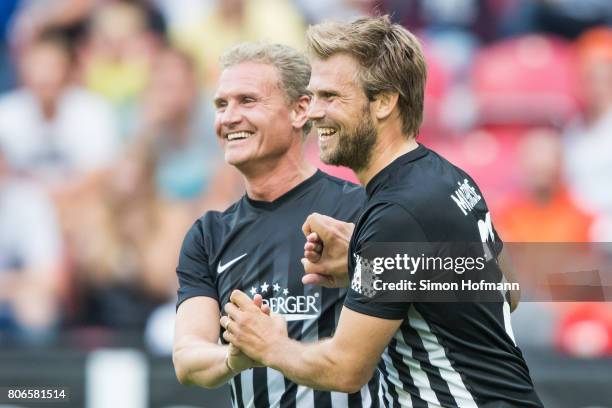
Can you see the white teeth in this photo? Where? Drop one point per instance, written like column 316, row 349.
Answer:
column 326, row 131
column 238, row 135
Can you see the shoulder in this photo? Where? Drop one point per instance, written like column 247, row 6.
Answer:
column 433, row 188
column 342, row 186
column 389, row 221
column 339, row 198
column 212, row 222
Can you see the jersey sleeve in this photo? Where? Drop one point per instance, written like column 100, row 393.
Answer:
column 390, row 223
column 194, row 274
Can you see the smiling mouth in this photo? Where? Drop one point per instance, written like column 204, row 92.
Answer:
column 242, row 135
column 325, row 132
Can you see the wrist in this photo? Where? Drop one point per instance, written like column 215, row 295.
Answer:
column 231, row 370
column 273, row 356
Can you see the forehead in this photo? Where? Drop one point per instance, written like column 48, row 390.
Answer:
column 336, row 72
column 248, row 78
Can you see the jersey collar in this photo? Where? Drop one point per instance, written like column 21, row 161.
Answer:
column 294, row 192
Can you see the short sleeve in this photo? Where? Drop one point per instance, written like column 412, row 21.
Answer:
column 194, row 273
column 386, row 222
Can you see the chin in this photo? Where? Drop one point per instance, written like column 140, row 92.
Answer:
column 233, row 159
column 328, row 156
column 238, row 161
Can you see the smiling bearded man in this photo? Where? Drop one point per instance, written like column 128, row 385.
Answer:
column 370, row 74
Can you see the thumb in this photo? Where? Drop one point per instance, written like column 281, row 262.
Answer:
column 311, row 267
column 316, row 279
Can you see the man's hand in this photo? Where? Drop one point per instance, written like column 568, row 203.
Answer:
column 237, row 361
column 326, row 251
column 248, row 328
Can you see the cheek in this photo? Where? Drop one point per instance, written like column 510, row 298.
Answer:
column 342, row 116
column 218, row 125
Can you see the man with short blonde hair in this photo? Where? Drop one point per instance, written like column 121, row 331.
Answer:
column 256, row 244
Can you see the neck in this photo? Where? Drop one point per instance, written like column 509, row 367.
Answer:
column 272, row 180
column 387, row 149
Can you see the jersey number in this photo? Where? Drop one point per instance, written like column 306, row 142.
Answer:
column 485, row 227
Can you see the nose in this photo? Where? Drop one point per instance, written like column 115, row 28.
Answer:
column 231, row 115
column 316, row 109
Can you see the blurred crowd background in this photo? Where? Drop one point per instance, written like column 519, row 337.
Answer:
column 108, row 154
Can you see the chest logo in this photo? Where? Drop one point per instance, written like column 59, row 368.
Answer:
column 292, row 307
column 222, row 267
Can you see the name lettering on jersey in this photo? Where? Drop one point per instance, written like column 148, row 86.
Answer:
column 291, row 307
column 221, row 268
column 466, row 197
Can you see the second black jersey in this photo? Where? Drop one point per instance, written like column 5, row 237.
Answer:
column 444, row 354
column 256, row 247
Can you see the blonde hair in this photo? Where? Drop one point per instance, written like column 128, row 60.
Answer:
column 390, row 57
column 292, row 66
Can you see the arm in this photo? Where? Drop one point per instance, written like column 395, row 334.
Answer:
column 342, row 363
column 198, row 357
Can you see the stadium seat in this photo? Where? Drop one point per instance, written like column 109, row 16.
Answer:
column 528, row 80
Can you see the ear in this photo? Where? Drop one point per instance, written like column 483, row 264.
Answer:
column 383, row 104
column 299, row 113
